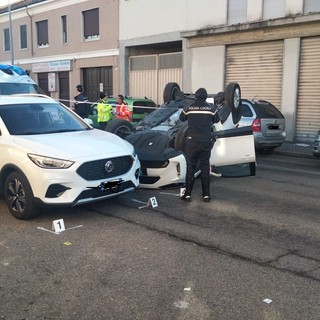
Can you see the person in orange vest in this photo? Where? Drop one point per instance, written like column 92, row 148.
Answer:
column 122, row 109
column 104, row 111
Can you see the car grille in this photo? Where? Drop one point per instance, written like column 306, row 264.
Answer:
column 96, row 170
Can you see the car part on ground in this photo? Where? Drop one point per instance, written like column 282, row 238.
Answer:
column 267, row 122
column 15, row 80
column 52, row 157
column 316, row 145
column 159, row 139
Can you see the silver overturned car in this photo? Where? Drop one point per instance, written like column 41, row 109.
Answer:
column 159, row 138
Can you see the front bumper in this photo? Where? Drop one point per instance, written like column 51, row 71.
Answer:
column 68, row 188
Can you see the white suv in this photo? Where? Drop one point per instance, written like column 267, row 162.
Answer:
column 14, row 80
column 50, row 156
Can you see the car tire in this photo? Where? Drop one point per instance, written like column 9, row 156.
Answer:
column 233, row 100
column 19, row 197
column 171, row 92
column 121, row 128
column 181, row 136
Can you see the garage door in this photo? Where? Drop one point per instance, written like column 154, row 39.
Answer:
column 149, row 74
column 308, row 113
column 257, row 67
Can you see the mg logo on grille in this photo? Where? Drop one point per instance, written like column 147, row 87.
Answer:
column 109, row 166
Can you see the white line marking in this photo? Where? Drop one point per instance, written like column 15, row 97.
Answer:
column 135, row 200
column 171, row 194
column 40, row 228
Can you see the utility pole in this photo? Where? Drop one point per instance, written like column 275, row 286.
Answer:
column 10, row 33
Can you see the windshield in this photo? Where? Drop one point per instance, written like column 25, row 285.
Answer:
column 40, row 118
column 16, row 88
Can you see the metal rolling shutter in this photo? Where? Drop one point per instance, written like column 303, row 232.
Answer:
column 149, row 74
column 143, row 76
column 308, row 111
column 257, row 68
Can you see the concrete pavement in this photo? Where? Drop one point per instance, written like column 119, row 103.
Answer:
column 295, row 149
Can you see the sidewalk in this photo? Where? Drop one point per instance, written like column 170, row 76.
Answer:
column 295, row 149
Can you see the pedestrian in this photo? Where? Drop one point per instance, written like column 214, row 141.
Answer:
column 122, row 109
column 104, row 111
column 81, row 107
column 199, row 142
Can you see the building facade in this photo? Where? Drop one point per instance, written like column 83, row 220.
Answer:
column 64, row 43
column 270, row 47
column 134, row 47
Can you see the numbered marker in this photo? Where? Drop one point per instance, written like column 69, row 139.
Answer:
column 152, row 202
column 58, row 226
column 182, row 191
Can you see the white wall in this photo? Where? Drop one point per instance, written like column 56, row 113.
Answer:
column 207, row 69
column 291, row 56
column 294, row 7
column 166, row 16
column 254, row 10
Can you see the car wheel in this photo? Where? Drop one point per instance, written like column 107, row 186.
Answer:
column 171, row 92
column 180, row 140
column 233, row 99
column 19, row 197
column 121, row 128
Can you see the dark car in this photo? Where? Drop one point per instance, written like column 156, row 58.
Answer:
column 267, row 123
column 316, row 145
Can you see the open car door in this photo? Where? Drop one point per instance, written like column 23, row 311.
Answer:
column 234, row 152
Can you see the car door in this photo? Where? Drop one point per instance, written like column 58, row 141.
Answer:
column 233, row 146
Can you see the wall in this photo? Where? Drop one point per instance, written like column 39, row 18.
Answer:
column 166, row 16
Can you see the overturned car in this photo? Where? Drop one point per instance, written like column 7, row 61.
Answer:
column 159, row 139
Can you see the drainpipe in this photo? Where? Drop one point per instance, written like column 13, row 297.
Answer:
column 10, row 33
column 31, row 30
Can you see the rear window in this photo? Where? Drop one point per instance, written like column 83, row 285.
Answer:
column 267, row 110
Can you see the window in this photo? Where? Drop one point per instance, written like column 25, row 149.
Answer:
column 6, row 39
column 42, row 33
column 91, row 24
column 311, row 6
column 237, row 11
column 23, row 37
column 64, row 29
column 273, row 9
column 246, row 111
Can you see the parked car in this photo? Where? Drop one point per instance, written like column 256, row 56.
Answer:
column 316, row 145
column 267, row 123
column 14, row 79
column 50, row 156
column 159, row 139
column 138, row 107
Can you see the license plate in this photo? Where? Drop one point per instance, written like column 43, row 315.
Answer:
column 112, row 186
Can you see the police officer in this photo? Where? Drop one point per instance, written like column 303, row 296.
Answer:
column 104, row 111
column 81, row 107
column 201, row 116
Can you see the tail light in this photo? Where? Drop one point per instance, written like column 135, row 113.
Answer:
column 256, row 125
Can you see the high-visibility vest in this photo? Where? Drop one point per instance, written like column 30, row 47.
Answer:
column 104, row 112
column 123, row 112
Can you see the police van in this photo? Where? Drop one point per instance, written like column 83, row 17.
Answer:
column 15, row 80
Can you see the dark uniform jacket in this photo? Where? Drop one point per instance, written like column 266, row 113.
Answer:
column 200, row 115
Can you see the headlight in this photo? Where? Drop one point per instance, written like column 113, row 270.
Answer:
column 50, row 163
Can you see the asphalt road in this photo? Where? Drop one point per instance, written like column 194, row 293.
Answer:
column 258, row 239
